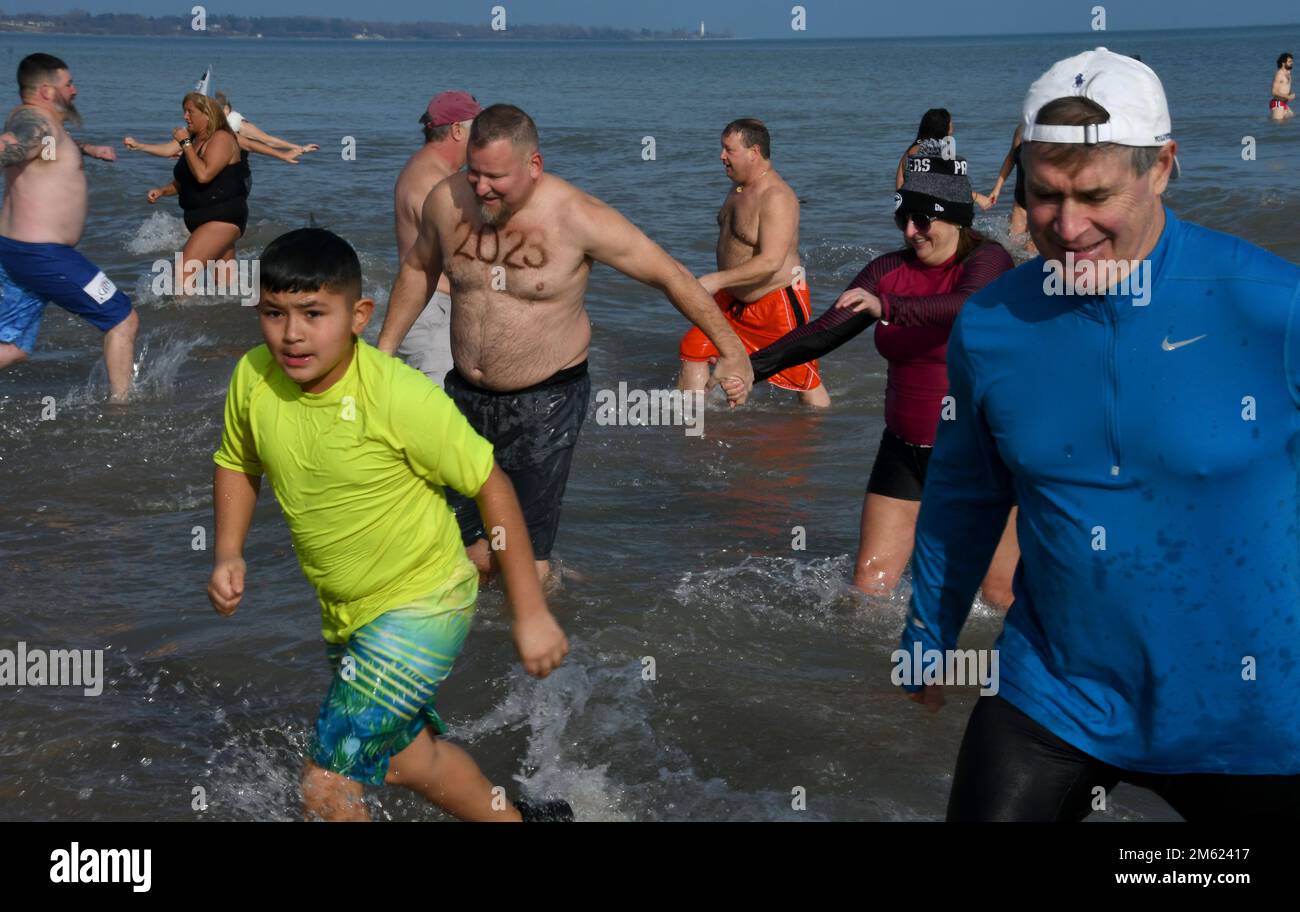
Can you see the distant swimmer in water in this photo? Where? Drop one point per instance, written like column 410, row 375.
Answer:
column 251, row 139
column 212, row 181
column 1137, row 393
column 41, row 222
column 359, row 448
column 517, row 245
column 760, row 286
column 934, row 137
column 916, row 294
column 446, row 122
column 1279, row 106
column 1017, row 228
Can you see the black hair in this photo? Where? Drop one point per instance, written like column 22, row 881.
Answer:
column 36, row 68
column 753, row 132
column 311, row 259
column 1283, row 58
column 934, row 125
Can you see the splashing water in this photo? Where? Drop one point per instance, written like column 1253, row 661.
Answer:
column 159, row 233
column 154, row 377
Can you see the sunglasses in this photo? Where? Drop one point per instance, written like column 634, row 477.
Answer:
column 922, row 222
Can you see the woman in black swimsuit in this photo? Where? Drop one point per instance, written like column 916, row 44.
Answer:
column 212, row 180
column 1019, row 225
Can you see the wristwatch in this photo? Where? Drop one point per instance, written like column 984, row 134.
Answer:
column 186, row 142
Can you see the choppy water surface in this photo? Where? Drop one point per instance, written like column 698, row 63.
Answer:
column 771, row 673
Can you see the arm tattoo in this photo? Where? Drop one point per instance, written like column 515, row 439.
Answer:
column 29, row 130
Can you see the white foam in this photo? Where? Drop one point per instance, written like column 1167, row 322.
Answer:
column 159, row 233
column 155, row 374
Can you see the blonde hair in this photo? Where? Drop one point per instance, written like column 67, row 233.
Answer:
column 210, row 109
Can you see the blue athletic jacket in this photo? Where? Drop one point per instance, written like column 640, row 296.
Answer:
column 1154, row 452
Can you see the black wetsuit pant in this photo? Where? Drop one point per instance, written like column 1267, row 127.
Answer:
column 1012, row 768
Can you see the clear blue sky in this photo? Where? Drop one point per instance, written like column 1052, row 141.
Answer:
column 750, row 18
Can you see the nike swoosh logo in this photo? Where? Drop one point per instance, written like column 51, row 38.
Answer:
column 1170, row 346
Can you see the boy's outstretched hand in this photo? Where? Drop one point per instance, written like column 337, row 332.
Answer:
column 541, row 643
column 226, row 585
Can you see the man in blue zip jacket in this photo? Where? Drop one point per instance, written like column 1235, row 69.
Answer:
column 1136, row 390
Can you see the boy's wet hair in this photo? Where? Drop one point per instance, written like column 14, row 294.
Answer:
column 311, row 259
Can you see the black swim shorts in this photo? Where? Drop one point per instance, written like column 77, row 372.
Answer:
column 533, row 432
column 900, row 468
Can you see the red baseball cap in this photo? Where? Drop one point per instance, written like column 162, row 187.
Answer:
column 449, row 108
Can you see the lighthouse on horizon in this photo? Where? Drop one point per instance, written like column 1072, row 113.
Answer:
column 701, row 28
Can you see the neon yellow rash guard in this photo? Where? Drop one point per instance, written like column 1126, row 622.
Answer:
column 359, row 472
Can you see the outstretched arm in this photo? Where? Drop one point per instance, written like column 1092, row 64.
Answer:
column 611, row 239
column 169, row 149
column 27, row 135
column 256, row 133
column 103, row 153
column 416, row 279
column 832, row 329
column 254, row 145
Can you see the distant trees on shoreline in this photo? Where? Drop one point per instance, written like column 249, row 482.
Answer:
column 80, row 22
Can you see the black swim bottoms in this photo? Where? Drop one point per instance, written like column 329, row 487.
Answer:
column 1011, row 768
column 233, row 211
column 533, row 432
column 899, row 470
column 1020, row 180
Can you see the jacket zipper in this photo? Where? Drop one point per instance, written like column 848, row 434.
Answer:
column 1112, row 391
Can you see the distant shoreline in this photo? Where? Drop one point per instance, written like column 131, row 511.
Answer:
column 636, row 40
column 109, row 25
column 323, row 28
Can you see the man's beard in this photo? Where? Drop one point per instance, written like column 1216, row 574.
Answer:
column 70, row 113
column 495, row 217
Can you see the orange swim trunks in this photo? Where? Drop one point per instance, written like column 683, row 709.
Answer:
column 759, row 324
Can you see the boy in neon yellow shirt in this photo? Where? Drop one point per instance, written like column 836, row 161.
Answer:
column 358, row 448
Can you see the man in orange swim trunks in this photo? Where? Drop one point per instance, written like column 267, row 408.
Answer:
column 760, row 282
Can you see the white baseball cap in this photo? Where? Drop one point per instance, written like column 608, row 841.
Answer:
column 1128, row 89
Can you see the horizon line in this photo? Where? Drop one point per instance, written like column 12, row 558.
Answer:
column 631, row 30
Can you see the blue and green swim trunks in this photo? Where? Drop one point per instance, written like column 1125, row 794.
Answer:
column 386, row 677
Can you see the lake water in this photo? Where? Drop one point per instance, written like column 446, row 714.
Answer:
column 771, row 672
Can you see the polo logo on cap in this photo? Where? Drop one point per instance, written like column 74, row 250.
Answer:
column 938, row 208
column 1078, row 80
column 898, row 201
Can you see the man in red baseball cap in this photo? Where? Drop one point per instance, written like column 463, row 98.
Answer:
column 427, row 347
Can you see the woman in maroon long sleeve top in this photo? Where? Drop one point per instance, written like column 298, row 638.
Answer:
column 915, row 293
